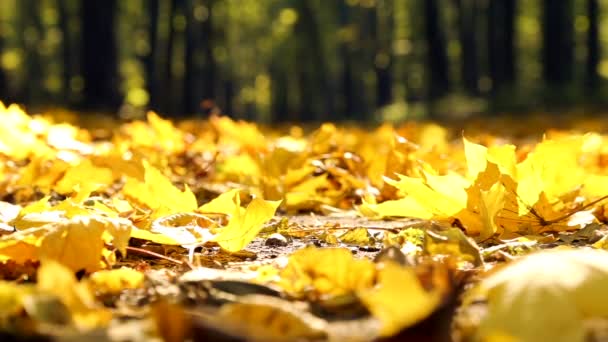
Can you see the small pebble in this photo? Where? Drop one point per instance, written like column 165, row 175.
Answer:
column 276, row 239
column 369, row 248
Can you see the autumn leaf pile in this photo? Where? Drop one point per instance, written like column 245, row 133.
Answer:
column 76, row 200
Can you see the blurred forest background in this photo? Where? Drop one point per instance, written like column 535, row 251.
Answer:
column 305, row 60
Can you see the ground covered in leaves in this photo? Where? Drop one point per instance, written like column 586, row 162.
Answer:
column 223, row 230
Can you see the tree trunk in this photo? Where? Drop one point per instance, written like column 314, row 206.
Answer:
column 467, row 34
column 167, row 82
column 437, row 60
column 315, row 96
column 280, row 97
column 192, row 71
column 558, row 42
column 228, row 97
column 209, row 65
column 593, row 45
column 501, row 45
column 4, row 91
column 32, row 91
column 150, row 60
column 347, row 86
column 99, row 57
column 66, row 46
column 383, row 56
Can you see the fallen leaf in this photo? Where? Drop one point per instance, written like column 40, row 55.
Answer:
column 545, row 296
column 159, row 194
column 398, row 299
column 77, row 243
column 324, row 272
column 226, row 203
column 357, row 236
column 55, row 279
column 244, row 227
column 84, row 176
column 114, row 281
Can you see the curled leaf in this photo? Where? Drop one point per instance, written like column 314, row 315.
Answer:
column 545, row 296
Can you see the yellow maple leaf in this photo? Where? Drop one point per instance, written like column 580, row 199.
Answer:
column 358, row 236
column 521, row 218
column 452, row 241
column 189, row 233
column 64, row 137
column 543, row 169
column 398, row 300
column 58, row 280
column 84, row 176
column 12, row 296
column 392, row 293
column 17, row 139
column 77, row 243
column 485, row 200
column 309, row 193
column 21, row 246
column 169, row 137
column 433, row 137
column 42, row 173
column 444, row 196
column 243, row 227
column 491, row 203
column 269, row 320
column 240, row 168
column 157, row 134
column 36, row 214
column 238, row 133
column 530, row 184
column 477, row 157
column 120, row 164
column 326, row 272
column 546, row 296
column 114, row 281
column 225, row 203
column 433, row 196
column 159, row 194
column 404, row 207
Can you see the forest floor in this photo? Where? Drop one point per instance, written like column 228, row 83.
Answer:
column 223, row 230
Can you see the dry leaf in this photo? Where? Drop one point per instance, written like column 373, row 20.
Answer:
column 546, row 296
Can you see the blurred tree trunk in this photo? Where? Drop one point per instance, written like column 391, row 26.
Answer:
column 558, row 42
column 593, row 45
column 383, row 61
column 99, row 55
column 192, row 71
column 501, row 44
column 166, row 104
column 4, row 91
column 228, row 96
column 348, row 92
column 150, row 60
column 30, row 30
column 280, row 90
column 224, row 87
column 437, row 60
column 315, row 97
column 64, row 26
column 199, row 80
column 209, row 64
column 468, row 11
